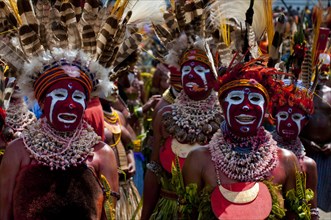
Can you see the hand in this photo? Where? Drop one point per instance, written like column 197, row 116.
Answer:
column 326, row 149
column 131, row 164
column 151, row 103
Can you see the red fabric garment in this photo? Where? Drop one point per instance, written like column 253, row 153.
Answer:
column 94, row 116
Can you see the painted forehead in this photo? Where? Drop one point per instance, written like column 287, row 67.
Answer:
column 67, row 84
column 291, row 109
column 242, row 90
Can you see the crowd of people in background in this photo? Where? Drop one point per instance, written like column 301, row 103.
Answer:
column 148, row 143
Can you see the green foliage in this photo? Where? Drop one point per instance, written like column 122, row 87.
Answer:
column 299, row 197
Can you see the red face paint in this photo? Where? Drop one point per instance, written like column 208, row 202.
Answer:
column 64, row 104
column 197, row 79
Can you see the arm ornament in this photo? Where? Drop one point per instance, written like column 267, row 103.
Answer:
column 154, row 167
column 315, row 212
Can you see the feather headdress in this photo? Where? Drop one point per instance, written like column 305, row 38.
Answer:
column 247, row 22
column 183, row 29
column 91, row 40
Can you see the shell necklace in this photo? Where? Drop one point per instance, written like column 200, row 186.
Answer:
column 294, row 145
column 56, row 149
column 249, row 161
column 192, row 121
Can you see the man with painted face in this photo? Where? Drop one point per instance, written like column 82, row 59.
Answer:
column 58, row 168
column 291, row 109
column 239, row 174
column 178, row 128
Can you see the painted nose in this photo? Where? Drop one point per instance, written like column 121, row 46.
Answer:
column 289, row 125
column 71, row 106
column 245, row 108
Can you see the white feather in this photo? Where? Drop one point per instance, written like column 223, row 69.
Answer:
column 235, row 10
column 145, row 11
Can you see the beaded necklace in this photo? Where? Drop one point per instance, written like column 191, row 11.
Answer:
column 56, row 149
column 248, row 161
column 294, row 145
column 191, row 121
column 112, row 118
column 18, row 115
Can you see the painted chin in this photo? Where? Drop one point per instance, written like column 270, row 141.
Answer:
column 67, row 118
column 245, row 119
column 244, row 129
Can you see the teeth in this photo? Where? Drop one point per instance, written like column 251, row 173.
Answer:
column 245, row 119
column 190, row 84
column 67, row 118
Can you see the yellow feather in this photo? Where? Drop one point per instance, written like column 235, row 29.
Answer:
column 15, row 10
column 225, row 32
column 269, row 21
column 317, row 26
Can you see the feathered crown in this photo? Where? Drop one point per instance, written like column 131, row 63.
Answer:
column 256, row 74
column 183, row 31
column 66, row 40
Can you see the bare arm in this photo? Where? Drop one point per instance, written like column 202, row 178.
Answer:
column 311, row 181
column 108, row 167
column 291, row 164
column 151, row 183
column 9, row 169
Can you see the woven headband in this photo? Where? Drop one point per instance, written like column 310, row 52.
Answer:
column 244, row 83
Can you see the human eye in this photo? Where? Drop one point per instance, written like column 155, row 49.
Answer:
column 297, row 117
column 60, row 93
column 200, row 70
column 186, row 69
column 282, row 115
column 235, row 97
column 78, row 95
column 255, row 98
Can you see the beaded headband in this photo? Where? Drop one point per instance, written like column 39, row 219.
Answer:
column 197, row 55
column 244, row 83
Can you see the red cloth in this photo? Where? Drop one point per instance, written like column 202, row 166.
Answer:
column 94, row 116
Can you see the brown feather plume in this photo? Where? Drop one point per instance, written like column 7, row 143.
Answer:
column 68, row 17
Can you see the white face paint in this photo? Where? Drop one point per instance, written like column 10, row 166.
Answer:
column 236, row 98
column 200, row 70
column 61, row 95
column 282, row 116
column 56, row 95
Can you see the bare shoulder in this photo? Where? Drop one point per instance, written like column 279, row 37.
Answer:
column 309, row 163
column 16, row 149
column 102, row 149
column 199, row 156
column 288, row 160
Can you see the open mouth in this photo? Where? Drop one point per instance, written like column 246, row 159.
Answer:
column 67, row 118
column 245, row 119
column 191, row 85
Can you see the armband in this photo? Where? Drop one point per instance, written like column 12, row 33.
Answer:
column 138, row 111
column 116, row 195
column 315, row 212
column 154, row 167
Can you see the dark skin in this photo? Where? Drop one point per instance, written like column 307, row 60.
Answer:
column 309, row 167
column 126, row 139
column 200, row 169
column 316, row 135
column 102, row 161
column 151, row 183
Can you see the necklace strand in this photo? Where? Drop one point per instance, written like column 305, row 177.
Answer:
column 253, row 162
column 59, row 150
